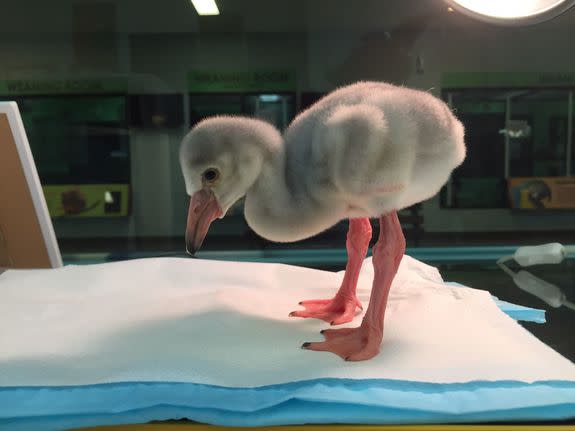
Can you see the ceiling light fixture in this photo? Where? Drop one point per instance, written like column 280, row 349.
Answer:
column 206, row 7
column 512, row 12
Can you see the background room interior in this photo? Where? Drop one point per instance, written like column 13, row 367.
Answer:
column 107, row 91
column 134, row 67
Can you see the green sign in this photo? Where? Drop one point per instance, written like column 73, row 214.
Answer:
column 241, row 81
column 507, row 80
column 36, row 87
column 481, row 107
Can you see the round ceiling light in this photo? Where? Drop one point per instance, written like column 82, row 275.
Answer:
column 512, row 12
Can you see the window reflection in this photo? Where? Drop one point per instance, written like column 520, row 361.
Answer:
column 108, row 90
column 510, row 133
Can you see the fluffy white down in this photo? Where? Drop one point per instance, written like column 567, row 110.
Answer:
column 362, row 151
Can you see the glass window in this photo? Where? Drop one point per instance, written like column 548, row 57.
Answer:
column 510, row 133
column 78, row 139
column 108, row 89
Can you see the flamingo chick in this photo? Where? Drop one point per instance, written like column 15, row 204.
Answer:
column 365, row 150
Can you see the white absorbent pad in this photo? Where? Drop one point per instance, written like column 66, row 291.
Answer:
column 212, row 341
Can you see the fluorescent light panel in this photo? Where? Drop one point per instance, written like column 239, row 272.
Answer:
column 269, row 98
column 206, row 7
column 509, row 9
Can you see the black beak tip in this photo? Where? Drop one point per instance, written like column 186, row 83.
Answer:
column 190, row 249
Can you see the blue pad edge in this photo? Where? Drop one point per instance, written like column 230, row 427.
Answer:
column 313, row 401
column 516, row 312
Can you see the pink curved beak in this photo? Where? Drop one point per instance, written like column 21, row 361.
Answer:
column 204, row 209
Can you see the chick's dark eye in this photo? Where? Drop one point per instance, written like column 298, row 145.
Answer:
column 210, row 175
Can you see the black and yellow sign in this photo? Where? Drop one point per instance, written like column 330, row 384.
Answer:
column 542, row 193
column 88, row 200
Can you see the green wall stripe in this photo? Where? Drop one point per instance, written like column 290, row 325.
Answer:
column 507, row 79
column 19, row 87
column 213, row 81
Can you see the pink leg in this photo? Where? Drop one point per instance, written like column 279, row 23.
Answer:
column 342, row 307
column 363, row 342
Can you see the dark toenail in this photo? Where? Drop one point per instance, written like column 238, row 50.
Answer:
column 332, row 322
column 322, row 331
column 291, row 314
column 305, row 345
column 346, row 358
column 300, row 303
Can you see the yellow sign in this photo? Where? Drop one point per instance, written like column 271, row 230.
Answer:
column 88, row 200
column 542, row 192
